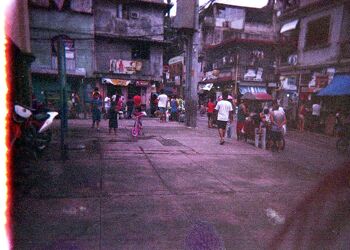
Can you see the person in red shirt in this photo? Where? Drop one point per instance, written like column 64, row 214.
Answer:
column 137, row 102
column 210, row 112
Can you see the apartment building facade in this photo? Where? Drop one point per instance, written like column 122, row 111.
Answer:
column 114, row 45
column 314, row 43
column 238, row 49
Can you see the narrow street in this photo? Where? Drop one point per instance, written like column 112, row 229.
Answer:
column 168, row 189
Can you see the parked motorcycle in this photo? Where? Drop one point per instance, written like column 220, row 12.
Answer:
column 22, row 137
column 31, row 130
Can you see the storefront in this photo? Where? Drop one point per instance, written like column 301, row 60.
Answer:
column 128, row 88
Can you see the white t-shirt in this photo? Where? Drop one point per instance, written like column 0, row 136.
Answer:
column 223, row 107
column 162, row 101
column 107, row 102
column 316, row 109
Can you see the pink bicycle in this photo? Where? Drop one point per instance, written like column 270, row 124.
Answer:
column 137, row 129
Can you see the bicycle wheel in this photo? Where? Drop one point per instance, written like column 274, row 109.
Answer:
column 134, row 132
column 342, row 145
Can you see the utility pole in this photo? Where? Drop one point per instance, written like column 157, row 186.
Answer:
column 191, row 97
column 61, row 61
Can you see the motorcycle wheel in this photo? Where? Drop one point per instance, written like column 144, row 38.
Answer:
column 342, row 145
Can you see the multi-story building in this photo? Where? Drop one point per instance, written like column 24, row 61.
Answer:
column 19, row 51
column 238, row 46
column 114, row 45
column 314, row 45
column 129, row 42
column 74, row 21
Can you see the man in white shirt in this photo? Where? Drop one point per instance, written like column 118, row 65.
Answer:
column 316, row 112
column 225, row 114
column 162, row 105
column 107, row 104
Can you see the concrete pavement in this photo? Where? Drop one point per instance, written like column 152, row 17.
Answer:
column 173, row 188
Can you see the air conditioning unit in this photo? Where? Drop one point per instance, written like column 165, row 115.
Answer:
column 134, row 15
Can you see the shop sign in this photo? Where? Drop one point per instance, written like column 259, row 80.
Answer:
column 289, row 83
column 253, row 75
column 176, row 59
column 119, row 66
column 142, row 83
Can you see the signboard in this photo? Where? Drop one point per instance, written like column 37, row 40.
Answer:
column 176, row 59
column 140, row 83
column 185, row 17
column 124, row 66
column 289, row 83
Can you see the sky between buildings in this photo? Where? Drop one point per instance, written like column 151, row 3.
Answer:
column 247, row 3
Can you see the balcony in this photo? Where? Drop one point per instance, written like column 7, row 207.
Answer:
column 223, row 37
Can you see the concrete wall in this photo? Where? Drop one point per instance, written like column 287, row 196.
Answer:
column 17, row 24
column 322, row 55
column 107, row 49
column 149, row 23
column 46, row 24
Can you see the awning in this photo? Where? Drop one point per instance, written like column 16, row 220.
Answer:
column 289, row 26
column 339, row 86
column 257, row 96
column 252, row 89
column 116, row 82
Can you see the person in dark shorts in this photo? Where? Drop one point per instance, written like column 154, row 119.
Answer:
column 113, row 116
column 225, row 114
column 96, row 108
column 278, row 119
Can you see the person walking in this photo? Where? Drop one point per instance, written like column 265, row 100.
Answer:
column 210, row 112
column 107, row 106
column 301, row 116
column 225, row 114
column 129, row 107
column 241, row 115
column 316, row 113
column 162, row 105
column 278, row 119
column 96, row 107
column 113, row 116
column 173, row 109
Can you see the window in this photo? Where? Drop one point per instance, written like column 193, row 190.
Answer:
column 122, row 11
column 140, row 51
column 317, row 33
column 69, row 49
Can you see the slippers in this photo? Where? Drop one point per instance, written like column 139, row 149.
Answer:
column 222, row 142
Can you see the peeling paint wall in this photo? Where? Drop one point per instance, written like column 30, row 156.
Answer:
column 147, row 22
column 326, row 54
column 46, row 24
column 113, row 34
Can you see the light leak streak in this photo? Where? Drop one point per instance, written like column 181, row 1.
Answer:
column 4, row 154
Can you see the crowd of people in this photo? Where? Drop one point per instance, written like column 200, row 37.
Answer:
column 114, row 107
column 268, row 122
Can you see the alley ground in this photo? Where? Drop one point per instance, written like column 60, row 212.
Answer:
column 166, row 190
